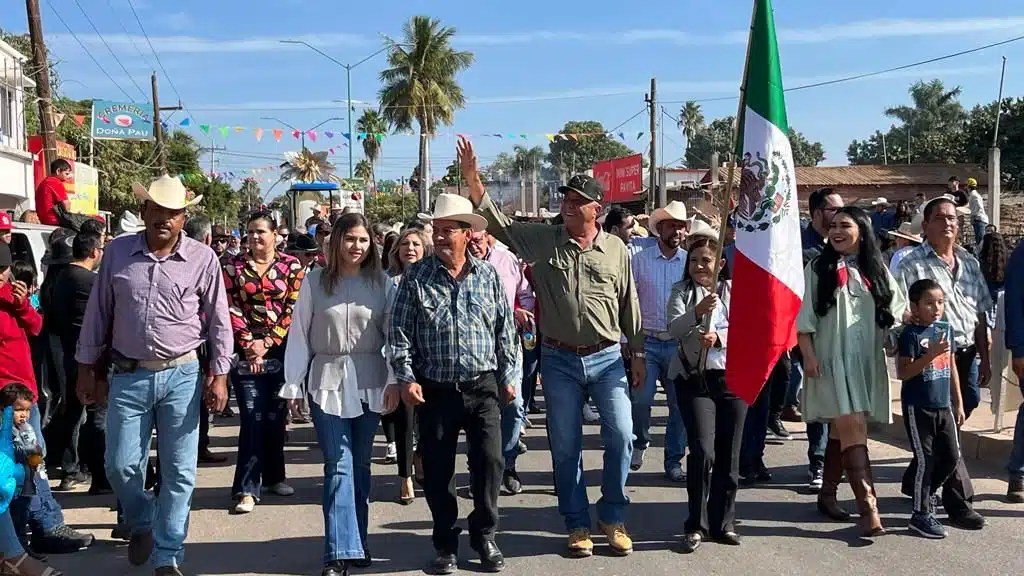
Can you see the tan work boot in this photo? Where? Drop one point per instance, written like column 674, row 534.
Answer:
column 580, row 544
column 832, row 475
column 858, row 469
column 618, row 538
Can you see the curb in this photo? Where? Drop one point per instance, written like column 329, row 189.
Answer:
column 992, row 449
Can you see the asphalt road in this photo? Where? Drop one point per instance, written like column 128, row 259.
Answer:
column 783, row 534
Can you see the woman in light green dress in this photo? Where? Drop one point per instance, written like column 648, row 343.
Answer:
column 850, row 304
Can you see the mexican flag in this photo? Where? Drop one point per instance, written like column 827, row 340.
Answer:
column 768, row 281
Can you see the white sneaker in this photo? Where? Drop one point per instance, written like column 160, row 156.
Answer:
column 637, row 461
column 245, row 505
column 589, row 415
column 282, row 489
column 391, row 456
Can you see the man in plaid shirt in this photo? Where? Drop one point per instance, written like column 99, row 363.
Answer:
column 453, row 344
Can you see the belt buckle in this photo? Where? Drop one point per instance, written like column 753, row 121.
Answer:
column 581, row 350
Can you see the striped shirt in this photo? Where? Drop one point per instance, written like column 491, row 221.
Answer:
column 964, row 286
column 452, row 330
column 654, row 275
column 638, row 244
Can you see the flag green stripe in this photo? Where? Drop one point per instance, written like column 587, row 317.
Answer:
column 764, row 73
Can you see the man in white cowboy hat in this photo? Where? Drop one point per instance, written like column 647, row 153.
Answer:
column 158, row 297
column 883, row 218
column 454, row 350
column 655, row 269
column 907, row 237
column 584, row 285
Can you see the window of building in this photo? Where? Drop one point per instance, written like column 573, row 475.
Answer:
column 7, row 115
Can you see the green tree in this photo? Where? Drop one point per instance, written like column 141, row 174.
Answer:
column 715, row 137
column 372, row 124
column 805, row 153
column 420, row 84
column 503, row 166
column 387, row 186
column 364, row 170
column 390, row 208
column 578, row 154
column 933, row 108
column 528, row 161
column 250, row 197
column 691, row 119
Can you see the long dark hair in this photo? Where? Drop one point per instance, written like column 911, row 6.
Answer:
column 371, row 262
column 993, row 257
column 869, row 263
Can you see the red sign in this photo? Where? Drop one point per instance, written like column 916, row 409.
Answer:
column 622, row 178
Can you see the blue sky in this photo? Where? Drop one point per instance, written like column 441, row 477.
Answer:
column 538, row 63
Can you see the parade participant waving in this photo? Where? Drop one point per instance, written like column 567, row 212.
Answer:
column 584, row 283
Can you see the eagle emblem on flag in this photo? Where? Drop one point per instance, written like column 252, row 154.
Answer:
column 766, row 186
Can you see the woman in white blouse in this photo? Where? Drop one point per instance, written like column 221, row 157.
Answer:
column 335, row 356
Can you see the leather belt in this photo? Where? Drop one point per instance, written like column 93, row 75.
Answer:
column 585, row 350
column 158, row 365
column 662, row 336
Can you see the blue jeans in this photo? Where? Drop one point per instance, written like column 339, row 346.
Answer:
column 817, row 432
column 10, row 546
column 531, row 365
column 169, row 398
column 1016, row 467
column 755, row 433
column 566, row 378
column 659, row 355
column 967, row 364
column 263, row 415
column 41, row 511
column 796, row 379
column 512, row 415
column 347, row 444
column 979, row 229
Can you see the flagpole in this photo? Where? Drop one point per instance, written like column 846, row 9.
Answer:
column 723, row 213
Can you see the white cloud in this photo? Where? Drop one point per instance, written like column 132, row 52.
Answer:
column 199, row 45
column 177, row 21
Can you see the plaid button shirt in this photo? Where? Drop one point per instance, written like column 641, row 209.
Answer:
column 965, row 289
column 452, row 330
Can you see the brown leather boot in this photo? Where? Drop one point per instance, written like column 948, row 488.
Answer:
column 858, row 469
column 832, row 475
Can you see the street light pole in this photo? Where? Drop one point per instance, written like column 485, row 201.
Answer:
column 348, row 90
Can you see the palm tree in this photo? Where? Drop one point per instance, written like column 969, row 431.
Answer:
column 364, row 170
column 934, row 107
column 372, row 124
column 306, row 166
column 420, row 85
column 691, row 120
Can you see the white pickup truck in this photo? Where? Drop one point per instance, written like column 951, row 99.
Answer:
column 29, row 243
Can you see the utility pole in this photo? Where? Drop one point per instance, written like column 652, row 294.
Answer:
column 158, row 128
column 994, row 167
column 652, row 102
column 42, row 78
column 213, row 155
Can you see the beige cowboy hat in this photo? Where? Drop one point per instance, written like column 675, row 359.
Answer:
column 674, row 210
column 910, row 230
column 131, row 224
column 699, row 227
column 167, row 192
column 459, row 209
column 880, row 201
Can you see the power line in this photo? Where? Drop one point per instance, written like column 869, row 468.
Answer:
column 868, row 74
column 93, row 58
column 131, row 37
column 109, row 49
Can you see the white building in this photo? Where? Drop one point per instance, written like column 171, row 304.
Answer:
column 17, row 186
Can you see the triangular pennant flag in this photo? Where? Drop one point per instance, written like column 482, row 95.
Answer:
column 296, row 134
column 58, row 117
column 224, row 131
column 205, row 128
column 185, row 122
column 511, row 136
column 79, row 120
column 551, row 137
column 499, row 136
column 163, row 125
column 379, row 136
column 312, row 135
column 259, row 133
column 639, row 135
column 347, row 136
column 331, row 150
column 328, row 133
column 277, row 134
column 622, row 136
column 362, row 135
column 239, row 129
column 523, row 136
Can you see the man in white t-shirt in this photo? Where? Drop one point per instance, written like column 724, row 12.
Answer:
column 979, row 219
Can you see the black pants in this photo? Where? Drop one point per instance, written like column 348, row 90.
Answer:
column 936, row 447
column 61, row 433
column 713, row 417
column 778, row 384
column 93, row 444
column 204, row 426
column 475, row 407
column 398, row 428
column 963, row 489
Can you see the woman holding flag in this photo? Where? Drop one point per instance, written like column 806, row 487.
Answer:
column 850, row 303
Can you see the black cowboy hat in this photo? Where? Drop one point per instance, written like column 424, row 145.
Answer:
column 60, row 251
column 302, row 243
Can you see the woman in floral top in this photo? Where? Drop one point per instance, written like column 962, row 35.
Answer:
column 262, row 285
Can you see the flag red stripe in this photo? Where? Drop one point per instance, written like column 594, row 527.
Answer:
column 762, row 316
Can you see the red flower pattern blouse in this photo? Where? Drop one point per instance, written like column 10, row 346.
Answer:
column 261, row 307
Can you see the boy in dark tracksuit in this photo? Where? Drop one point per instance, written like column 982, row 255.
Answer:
column 932, row 405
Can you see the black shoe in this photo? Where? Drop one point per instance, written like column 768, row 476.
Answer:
column 491, row 558
column 763, row 475
column 727, row 538
column 69, row 481
column 121, row 532
column 33, row 554
column 967, row 520
column 335, row 568
column 534, row 409
column 62, row 540
column 95, row 490
column 510, row 480
column 365, row 562
column 521, row 448
column 691, row 542
column 443, row 564
column 776, row 427
column 227, row 412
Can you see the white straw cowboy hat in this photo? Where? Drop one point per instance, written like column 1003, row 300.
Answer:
column 880, row 201
column 909, row 230
column 459, row 209
column 167, row 192
column 131, row 224
column 700, row 228
column 674, row 210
